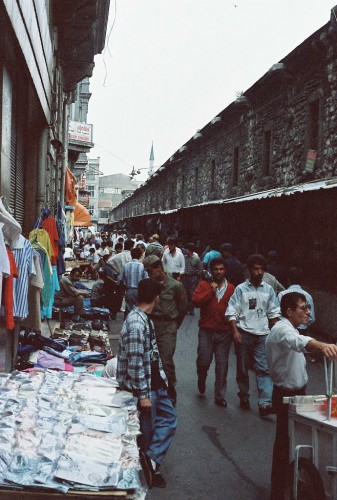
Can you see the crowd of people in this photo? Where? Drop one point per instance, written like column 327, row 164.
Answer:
column 258, row 306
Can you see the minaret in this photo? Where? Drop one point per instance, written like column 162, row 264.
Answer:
column 151, row 164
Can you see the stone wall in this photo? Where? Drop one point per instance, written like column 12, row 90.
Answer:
column 286, row 106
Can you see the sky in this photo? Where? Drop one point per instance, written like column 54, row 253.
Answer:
column 170, row 66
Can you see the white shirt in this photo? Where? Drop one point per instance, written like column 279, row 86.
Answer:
column 308, row 298
column 174, row 263
column 252, row 307
column 284, row 351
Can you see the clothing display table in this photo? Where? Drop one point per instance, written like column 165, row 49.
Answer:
column 70, row 434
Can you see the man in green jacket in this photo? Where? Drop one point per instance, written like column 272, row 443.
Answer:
column 167, row 317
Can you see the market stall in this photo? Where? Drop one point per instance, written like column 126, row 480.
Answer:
column 67, row 434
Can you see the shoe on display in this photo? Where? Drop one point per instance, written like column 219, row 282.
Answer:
column 221, row 402
column 244, row 404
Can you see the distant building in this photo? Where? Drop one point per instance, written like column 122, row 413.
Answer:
column 112, row 189
column 92, row 187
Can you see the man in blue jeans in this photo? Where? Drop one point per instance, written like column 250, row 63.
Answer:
column 139, row 370
column 252, row 310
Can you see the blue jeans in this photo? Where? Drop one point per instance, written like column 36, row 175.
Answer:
column 158, row 426
column 257, row 345
column 217, row 343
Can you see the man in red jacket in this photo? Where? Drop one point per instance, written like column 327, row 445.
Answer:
column 215, row 335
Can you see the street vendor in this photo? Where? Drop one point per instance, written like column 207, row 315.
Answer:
column 287, row 366
column 69, row 295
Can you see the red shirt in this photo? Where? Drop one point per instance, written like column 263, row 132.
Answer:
column 212, row 311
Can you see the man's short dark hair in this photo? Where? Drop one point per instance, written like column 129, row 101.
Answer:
column 190, row 247
column 291, row 300
column 294, row 275
column 148, row 290
column 254, row 259
column 156, row 264
column 119, row 246
column 219, row 261
column 136, row 253
column 128, row 244
column 172, row 239
column 76, row 270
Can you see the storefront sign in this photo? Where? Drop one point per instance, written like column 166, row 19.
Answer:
column 80, row 132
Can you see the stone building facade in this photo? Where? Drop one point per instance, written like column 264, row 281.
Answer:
column 261, row 174
column 260, row 141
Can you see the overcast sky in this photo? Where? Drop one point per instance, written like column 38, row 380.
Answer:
column 170, row 66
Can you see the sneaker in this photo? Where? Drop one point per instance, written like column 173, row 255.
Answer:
column 221, row 402
column 264, row 411
column 157, row 480
column 244, row 404
column 201, row 385
column 145, row 462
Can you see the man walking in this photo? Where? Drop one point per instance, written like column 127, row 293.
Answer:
column 193, row 268
column 284, row 349
column 139, row 370
column 173, row 259
column 167, row 316
column 215, row 335
column 154, row 248
column 131, row 275
column 252, row 309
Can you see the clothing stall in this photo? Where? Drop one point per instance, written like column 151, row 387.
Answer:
column 29, row 270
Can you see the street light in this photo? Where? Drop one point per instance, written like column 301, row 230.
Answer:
column 136, row 172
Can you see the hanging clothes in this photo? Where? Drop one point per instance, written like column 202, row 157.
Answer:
column 8, row 291
column 4, row 260
column 49, row 224
column 23, row 255
column 36, row 284
column 11, row 229
column 47, row 309
column 47, row 272
column 42, row 237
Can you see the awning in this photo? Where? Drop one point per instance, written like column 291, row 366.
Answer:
column 82, row 217
column 275, row 193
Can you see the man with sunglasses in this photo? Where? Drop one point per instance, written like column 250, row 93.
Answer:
column 287, row 367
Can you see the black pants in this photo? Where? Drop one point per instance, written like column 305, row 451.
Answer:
column 281, row 443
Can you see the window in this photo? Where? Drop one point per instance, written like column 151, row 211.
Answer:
column 213, row 173
column 236, row 166
column 101, row 190
column 183, row 188
column 91, row 190
column 267, row 153
column 91, row 209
